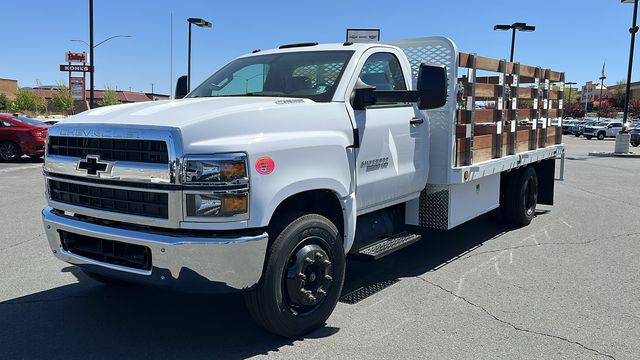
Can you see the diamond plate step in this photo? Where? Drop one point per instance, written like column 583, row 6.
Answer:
column 389, row 245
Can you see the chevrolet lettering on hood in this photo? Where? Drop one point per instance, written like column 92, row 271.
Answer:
column 101, row 133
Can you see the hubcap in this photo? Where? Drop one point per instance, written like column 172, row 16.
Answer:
column 307, row 277
column 7, row 151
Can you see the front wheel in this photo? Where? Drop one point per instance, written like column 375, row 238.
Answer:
column 302, row 278
column 635, row 144
column 601, row 136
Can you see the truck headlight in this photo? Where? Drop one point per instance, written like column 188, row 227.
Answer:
column 215, row 187
column 215, row 169
column 216, row 205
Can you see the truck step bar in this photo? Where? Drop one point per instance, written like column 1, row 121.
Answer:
column 388, row 246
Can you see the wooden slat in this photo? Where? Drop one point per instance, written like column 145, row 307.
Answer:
column 486, row 90
column 554, row 94
column 555, row 75
column 524, row 114
column 482, row 115
column 553, row 113
column 482, row 63
column 526, row 70
column 526, row 93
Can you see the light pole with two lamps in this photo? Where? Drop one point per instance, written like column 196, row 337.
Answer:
column 519, row 26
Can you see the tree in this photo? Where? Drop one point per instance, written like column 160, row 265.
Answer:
column 26, row 101
column 109, row 97
column 619, row 94
column 5, row 103
column 61, row 99
column 575, row 111
column 634, row 108
column 606, row 110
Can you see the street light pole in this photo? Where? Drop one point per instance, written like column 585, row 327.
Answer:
column 633, row 30
column 91, row 62
column 518, row 26
column 600, row 103
column 570, row 83
column 200, row 23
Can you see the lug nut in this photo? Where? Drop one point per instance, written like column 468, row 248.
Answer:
column 322, row 292
column 302, row 276
column 308, row 260
column 328, row 277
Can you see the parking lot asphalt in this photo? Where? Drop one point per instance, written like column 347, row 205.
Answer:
column 565, row 287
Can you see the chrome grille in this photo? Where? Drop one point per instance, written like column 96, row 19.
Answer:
column 135, row 150
column 125, row 201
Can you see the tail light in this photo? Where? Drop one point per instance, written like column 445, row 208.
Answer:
column 39, row 133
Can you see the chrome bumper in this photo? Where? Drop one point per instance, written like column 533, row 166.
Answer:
column 207, row 264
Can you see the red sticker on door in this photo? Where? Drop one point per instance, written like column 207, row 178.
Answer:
column 265, row 165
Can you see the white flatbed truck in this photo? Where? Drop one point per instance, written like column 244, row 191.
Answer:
column 268, row 174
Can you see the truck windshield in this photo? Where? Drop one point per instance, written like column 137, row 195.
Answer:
column 306, row 74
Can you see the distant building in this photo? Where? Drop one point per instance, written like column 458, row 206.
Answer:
column 9, row 87
column 591, row 92
column 635, row 89
column 124, row 97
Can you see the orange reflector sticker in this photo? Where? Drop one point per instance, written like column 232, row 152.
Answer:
column 265, row 165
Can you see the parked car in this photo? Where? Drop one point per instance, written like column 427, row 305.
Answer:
column 50, row 121
column 578, row 128
column 635, row 135
column 20, row 135
column 567, row 125
column 603, row 130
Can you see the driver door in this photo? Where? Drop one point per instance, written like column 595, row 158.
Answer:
column 391, row 163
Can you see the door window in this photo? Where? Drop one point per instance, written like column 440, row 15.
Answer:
column 383, row 71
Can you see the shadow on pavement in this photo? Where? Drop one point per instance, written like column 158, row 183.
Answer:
column 91, row 320
column 25, row 160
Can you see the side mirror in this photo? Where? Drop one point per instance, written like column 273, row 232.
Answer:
column 432, row 86
column 181, row 87
column 430, row 94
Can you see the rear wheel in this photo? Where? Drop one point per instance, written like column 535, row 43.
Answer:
column 635, row 144
column 302, row 277
column 522, row 197
column 10, row 151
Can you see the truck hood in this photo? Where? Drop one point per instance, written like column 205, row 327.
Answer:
column 181, row 113
column 230, row 124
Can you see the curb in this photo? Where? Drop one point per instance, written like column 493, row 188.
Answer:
column 610, row 154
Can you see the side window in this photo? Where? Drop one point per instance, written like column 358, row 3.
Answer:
column 383, row 71
column 7, row 124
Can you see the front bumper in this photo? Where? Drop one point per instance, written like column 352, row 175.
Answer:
column 195, row 264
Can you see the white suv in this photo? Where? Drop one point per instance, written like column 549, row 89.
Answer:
column 603, row 130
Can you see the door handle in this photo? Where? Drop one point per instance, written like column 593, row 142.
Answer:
column 416, row 121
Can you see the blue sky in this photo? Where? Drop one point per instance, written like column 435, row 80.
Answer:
column 574, row 36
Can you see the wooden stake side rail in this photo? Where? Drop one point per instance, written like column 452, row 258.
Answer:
column 493, row 110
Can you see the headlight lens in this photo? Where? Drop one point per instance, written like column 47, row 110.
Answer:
column 216, row 204
column 223, row 168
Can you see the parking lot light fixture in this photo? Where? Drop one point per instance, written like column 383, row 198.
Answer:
column 570, row 83
column 518, row 26
column 200, row 23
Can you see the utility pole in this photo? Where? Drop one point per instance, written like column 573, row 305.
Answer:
column 91, row 63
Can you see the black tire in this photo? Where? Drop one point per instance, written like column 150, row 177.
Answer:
column 521, row 197
column 601, row 136
column 589, row 137
column 277, row 303
column 577, row 135
column 35, row 157
column 635, row 144
column 10, row 151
